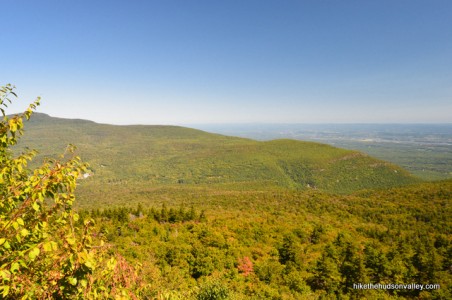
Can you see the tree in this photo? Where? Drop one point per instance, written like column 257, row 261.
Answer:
column 245, row 266
column 377, row 263
column 326, row 272
column 352, row 269
column 287, row 251
column 44, row 252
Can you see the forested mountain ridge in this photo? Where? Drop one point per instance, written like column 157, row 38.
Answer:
column 176, row 155
column 182, row 233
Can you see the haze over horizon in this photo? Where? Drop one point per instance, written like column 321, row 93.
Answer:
column 177, row 62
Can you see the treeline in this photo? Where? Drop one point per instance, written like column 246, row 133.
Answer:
column 162, row 215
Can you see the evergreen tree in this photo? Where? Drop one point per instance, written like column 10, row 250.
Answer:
column 287, row 251
column 352, row 269
column 326, row 273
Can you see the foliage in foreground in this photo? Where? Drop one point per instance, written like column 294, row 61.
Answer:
column 43, row 252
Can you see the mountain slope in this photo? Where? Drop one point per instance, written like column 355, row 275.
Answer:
column 176, row 155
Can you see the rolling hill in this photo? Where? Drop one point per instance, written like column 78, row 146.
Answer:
column 171, row 155
column 191, row 213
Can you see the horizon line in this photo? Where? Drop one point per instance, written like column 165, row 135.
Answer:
column 244, row 123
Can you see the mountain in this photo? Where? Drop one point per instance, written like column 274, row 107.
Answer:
column 171, row 155
column 190, row 213
column 425, row 150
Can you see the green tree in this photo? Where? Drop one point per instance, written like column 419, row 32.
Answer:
column 44, row 252
column 376, row 261
column 327, row 275
column 212, row 290
column 317, row 233
column 287, row 251
column 426, row 261
column 352, row 269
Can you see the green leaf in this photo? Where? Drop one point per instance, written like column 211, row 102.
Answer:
column 72, row 280
column 6, row 245
column 75, row 217
column 22, row 263
column 20, row 221
column 2, row 240
column 33, row 253
column 89, row 264
column 50, row 246
column 5, row 274
column 14, row 267
column 54, row 245
column 35, row 206
column 5, row 289
column 84, row 283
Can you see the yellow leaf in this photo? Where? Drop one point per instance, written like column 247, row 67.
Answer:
column 5, row 290
column 33, row 253
column 14, row 267
column 47, row 247
column 70, row 240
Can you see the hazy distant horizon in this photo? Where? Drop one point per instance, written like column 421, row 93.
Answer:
column 239, row 124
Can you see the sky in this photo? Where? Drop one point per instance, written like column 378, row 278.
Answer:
column 192, row 62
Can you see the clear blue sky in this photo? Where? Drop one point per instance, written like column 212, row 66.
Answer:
column 182, row 62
